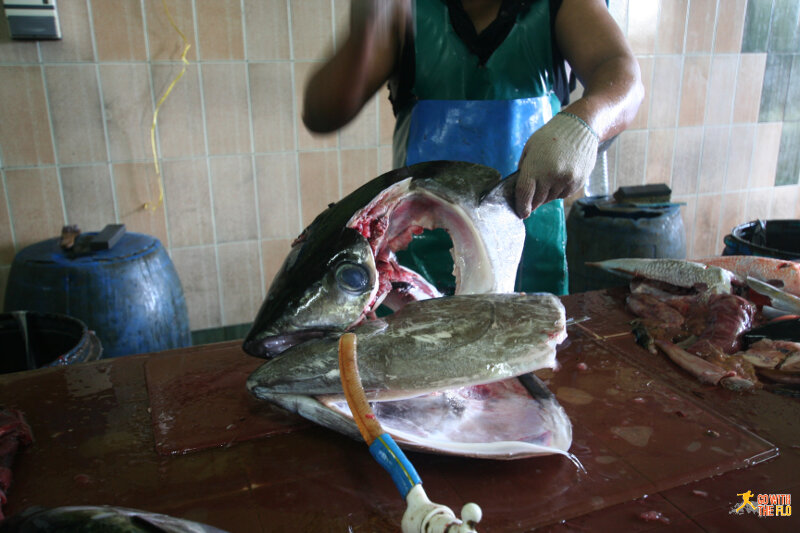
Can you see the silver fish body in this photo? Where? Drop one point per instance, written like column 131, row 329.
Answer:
column 440, row 374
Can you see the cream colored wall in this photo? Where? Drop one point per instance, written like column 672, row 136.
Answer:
column 241, row 174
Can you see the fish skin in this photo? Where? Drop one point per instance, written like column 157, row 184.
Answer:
column 428, row 346
column 679, row 272
column 100, row 518
column 307, row 297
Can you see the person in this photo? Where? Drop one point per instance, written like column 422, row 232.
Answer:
column 484, row 81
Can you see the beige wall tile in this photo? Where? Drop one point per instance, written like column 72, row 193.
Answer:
column 305, row 139
column 197, row 270
column 719, row 103
column 632, row 146
column 88, row 196
column 363, row 129
column 733, row 208
column 319, row 182
column 180, row 129
column 6, row 238
column 267, row 30
column 700, row 29
column 24, row 125
column 188, row 195
column 358, row 167
column 128, row 110
column 385, row 163
column 671, row 27
column 273, row 111
column 686, row 161
column 765, row 154
column 740, row 155
column 75, row 114
column 77, row 42
column 749, row 80
column 785, row 202
column 341, row 21
column 713, row 161
column 219, row 29
column 35, row 202
column 386, row 118
column 240, row 271
column 694, row 87
column 278, row 205
column 234, row 195
column 273, row 252
column 312, row 29
column 730, row 24
column 660, row 148
column 16, row 51
column 118, row 30
column 758, row 204
column 227, row 110
column 706, row 226
column 642, row 24
column 646, row 66
column 164, row 41
column 665, row 91
column 135, row 184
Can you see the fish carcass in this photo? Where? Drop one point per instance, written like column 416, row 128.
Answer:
column 441, row 370
column 696, row 312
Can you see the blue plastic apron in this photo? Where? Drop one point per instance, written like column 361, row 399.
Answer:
column 468, row 111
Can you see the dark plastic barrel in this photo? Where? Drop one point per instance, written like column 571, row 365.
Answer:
column 33, row 340
column 130, row 294
column 767, row 238
column 598, row 230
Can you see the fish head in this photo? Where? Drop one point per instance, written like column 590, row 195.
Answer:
column 325, row 285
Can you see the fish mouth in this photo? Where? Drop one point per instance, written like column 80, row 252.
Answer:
column 270, row 346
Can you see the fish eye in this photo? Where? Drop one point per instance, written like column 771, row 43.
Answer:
column 352, row 278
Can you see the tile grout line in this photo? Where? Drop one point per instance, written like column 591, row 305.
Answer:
column 109, row 162
column 209, row 178
column 253, row 166
column 295, row 114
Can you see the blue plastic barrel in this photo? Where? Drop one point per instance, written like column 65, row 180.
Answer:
column 598, row 229
column 129, row 295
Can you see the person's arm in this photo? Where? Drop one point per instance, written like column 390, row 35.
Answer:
column 558, row 158
column 338, row 90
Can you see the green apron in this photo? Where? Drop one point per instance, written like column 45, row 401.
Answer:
column 480, row 103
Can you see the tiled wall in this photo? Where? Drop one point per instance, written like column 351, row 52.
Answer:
column 242, row 176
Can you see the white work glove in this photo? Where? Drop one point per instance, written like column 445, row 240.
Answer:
column 555, row 162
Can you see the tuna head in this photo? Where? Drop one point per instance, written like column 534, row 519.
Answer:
column 321, row 288
column 343, row 265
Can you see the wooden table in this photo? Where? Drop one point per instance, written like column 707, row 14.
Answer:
column 176, row 432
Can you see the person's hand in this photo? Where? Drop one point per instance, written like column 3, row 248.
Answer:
column 555, row 162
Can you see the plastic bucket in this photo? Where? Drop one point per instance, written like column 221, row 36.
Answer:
column 770, row 238
column 598, row 229
column 33, row 340
column 129, row 295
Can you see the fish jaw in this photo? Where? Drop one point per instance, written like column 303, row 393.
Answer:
column 315, row 294
column 678, row 272
column 429, row 346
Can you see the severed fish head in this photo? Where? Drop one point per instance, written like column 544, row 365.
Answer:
column 343, row 265
column 441, row 376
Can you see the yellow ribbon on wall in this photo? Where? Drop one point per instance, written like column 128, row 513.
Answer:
column 186, row 45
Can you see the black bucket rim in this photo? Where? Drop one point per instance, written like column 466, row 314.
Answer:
column 763, row 250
